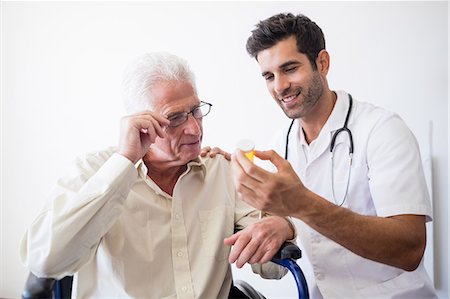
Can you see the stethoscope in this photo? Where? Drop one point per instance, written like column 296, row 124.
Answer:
column 332, row 145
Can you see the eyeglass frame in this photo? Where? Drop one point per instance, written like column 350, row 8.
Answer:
column 186, row 114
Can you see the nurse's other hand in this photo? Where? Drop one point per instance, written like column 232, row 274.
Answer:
column 213, row 152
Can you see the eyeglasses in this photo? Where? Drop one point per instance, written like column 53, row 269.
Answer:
column 197, row 112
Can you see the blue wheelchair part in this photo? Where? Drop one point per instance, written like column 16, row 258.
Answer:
column 286, row 257
column 300, row 281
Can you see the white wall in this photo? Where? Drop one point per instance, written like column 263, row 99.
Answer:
column 62, row 64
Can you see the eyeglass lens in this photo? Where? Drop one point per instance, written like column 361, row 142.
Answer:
column 198, row 112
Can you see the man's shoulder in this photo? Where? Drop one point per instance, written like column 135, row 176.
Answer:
column 369, row 116
column 217, row 161
column 367, row 109
column 95, row 159
column 217, row 166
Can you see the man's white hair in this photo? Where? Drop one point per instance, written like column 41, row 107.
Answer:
column 147, row 70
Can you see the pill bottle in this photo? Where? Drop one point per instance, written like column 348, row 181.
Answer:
column 248, row 147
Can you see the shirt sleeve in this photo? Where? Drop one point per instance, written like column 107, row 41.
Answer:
column 396, row 178
column 80, row 210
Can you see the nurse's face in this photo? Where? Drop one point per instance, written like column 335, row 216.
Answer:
column 290, row 78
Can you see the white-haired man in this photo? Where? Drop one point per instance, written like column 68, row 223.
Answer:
column 148, row 219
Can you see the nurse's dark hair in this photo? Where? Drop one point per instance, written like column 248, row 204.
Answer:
column 310, row 38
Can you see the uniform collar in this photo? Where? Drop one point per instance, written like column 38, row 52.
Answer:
column 334, row 122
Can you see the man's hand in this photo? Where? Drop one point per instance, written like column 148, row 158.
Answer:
column 277, row 193
column 259, row 242
column 138, row 131
column 213, row 152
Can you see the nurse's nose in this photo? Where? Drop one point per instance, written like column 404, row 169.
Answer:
column 281, row 84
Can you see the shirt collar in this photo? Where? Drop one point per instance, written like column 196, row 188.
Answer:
column 334, row 122
column 195, row 165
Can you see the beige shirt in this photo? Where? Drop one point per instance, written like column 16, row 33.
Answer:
column 109, row 224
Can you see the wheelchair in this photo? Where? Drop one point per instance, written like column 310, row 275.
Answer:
column 40, row 288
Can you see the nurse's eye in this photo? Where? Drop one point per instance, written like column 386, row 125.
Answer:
column 291, row 69
column 268, row 77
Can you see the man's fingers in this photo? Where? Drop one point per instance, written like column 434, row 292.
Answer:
column 149, row 126
column 252, row 169
column 214, row 152
column 246, row 254
column 159, row 128
column 256, row 257
column 272, row 156
column 267, row 256
column 161, row 119
column 219, row 151
column 239, row 245
column 246, row 186
column 205, row 151
column 231, row 239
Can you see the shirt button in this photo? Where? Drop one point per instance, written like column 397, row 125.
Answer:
column 177, row 216
column 320, row 276
column 184, row 289
column 179, row 253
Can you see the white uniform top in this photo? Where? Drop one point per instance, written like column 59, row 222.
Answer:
column 386, row 179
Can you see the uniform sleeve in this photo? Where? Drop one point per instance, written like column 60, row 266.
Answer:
column 80, row 210
column 396, row 178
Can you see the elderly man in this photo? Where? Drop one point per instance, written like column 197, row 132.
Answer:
column 148, row 219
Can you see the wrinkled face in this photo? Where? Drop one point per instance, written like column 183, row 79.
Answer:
column 290, row 78
column 183, row 143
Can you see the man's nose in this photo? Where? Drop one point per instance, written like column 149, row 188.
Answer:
column 193, row 125
column 281, row 83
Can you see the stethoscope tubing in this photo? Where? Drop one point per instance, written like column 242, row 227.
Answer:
column 333, row 138
column 332, row 145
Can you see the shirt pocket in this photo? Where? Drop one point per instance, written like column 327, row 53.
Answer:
column 216, row 224
column 366, row 273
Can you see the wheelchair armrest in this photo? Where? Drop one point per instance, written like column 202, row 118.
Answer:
column 36, row 287
column 288, row 251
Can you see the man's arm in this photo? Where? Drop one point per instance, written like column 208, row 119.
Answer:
column 397, row 241
column 85, row 205
column 80, row 210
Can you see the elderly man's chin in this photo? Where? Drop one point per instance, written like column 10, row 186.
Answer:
column 191, row 151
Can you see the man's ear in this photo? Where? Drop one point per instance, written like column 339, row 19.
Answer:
column 323, row 62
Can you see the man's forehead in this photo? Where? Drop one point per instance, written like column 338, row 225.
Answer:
column 176, row 105
column 171, row 89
